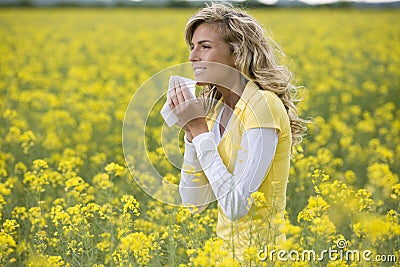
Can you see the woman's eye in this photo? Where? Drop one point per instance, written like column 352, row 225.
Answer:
column 205, row 46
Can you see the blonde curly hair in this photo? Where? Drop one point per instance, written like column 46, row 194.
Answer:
column 254, row 54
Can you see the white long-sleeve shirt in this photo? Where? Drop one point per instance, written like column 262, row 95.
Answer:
column 209, row 176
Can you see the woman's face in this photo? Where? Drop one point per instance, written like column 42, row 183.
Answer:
column 208, row 46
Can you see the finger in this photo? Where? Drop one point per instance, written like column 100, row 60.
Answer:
column 179, row 94
column 186, row 92
column 171, row 104
column 169, row 98
column 172, row 97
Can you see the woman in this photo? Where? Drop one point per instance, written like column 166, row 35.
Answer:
column 239, row 141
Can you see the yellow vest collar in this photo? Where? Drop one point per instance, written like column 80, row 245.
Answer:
column 250, row 89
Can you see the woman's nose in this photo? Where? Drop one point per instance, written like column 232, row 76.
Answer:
column 194, row 56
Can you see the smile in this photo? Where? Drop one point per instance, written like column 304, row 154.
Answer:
column 198, row 70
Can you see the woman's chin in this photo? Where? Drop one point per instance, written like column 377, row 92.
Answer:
column 200, row 83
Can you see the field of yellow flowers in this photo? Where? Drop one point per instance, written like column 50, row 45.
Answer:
column 67, row 199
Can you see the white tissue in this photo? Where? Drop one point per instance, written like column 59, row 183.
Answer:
column 166, row 112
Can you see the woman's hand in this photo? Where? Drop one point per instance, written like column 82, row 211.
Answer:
column 188, row 109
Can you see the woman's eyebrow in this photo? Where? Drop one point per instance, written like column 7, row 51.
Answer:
column 203, row 41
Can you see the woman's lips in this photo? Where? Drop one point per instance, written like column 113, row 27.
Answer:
column 198, row 70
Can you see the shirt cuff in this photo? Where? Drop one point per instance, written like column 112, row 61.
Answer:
column 204, row 142
column 190, row 151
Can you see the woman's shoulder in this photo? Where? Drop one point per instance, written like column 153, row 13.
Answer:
column 263, row 109
column 266, row 97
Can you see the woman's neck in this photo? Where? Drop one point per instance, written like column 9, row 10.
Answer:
column 231, row 96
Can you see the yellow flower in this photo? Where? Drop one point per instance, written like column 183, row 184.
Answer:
column 114, row 169
column 316, row 207
column 20, row 213
column 318, row 177
column 102, row 180
column 9, row 114
column 170, row 179
column 323, row 227
column 228, row 262
column 59, row 215
column 70, row 165
column 140, row 245
column 130, row 204
column 76, row 185
column 98, row 158
column 364, row 200
column 380, row 175
column 105, row 244
column 55, row 261
column 395, row 192
column 36, row 218
column 183, row 214
column 373, row 227
column 39, row 177
column 350, row 177
column 10, row 227
column 28, row 140
column 20, row 168
column 258, row 199
column 40, row 165
column 250, row 253
column 212, row 254
column 7, row 245
column 289, row 229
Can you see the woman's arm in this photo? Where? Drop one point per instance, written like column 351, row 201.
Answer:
column 233, row 190
column 193, row 187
